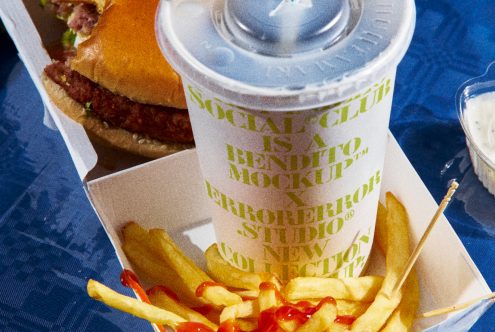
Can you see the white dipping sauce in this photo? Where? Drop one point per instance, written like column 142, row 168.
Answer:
column 479, row 115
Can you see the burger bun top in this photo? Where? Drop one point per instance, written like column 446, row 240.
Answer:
column 122, row 55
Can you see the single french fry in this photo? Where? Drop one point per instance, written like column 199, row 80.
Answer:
column 381, row 227
column 352, row 308
column 132, row 231
column 322, row 320
column 338, row 327
column 163, row 300
column 422, row 241
column 190, row 274
column 185, row 268
column 220, row 296
column 241, row 310
column 132, row 306
column 247, row 294
column 288, row 325
column 354, row 289
column 268, row 297
column 398, row 251
column 403, row 317
column 225, row 273
column 378, row 313
column 211, row 312
column 247, row 325
column 156, row 270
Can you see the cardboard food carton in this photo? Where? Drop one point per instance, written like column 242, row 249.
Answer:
column 169, row 192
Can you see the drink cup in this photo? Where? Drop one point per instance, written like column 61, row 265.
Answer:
column 289, row 103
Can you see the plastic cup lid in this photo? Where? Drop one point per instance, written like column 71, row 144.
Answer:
column 284, row 54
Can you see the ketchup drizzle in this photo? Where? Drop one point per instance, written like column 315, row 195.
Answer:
column 129, row 279
column 299, row 312
column 202, row 287
column 345, row 319
column 163, row 289
column 229, row 326
column 267, row 321
column 204, row 309
column 266, row 285
column 248, row 298
column 288, row 313
column 192, row 327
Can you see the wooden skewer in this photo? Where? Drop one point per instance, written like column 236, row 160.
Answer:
column 456, row 307
column 414, row 256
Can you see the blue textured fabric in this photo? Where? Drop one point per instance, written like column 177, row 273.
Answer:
column 51, row 241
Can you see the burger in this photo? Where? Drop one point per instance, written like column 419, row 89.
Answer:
column 113, row 79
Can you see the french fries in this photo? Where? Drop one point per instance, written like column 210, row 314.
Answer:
column 322, row 320
column 269, row 297
column 397, row 241
column 225, row 273
column 352, row 308
column 189, row 272
column 258, row 301
column 163, row 300
column 132, row 306
column 403, row 317
column 146, row 261
column 242, row 310
column 362, row 289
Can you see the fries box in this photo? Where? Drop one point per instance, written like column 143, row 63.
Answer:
column 169, row 192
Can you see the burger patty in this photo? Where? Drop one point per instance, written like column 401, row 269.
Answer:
column 83, row 18
column 165, row 124
column 80, row 17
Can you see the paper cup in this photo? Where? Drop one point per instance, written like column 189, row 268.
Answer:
column 292, row 166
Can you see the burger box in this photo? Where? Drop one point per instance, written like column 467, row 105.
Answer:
column 169, row 193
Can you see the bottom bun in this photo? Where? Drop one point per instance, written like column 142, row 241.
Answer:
column 104, row 134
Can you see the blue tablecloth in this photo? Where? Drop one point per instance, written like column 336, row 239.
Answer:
column 51, row 241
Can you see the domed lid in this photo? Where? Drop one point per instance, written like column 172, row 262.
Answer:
column 284, row 54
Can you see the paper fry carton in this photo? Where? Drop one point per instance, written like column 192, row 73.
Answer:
column 170, row 192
